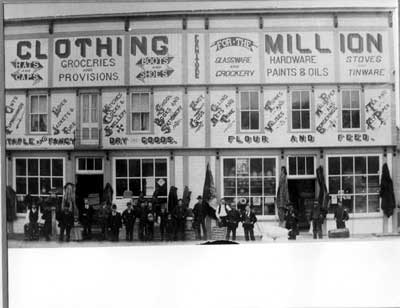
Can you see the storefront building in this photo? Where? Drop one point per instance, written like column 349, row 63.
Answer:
column 145, row 101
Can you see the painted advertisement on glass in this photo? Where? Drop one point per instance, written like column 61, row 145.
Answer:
column 196, row 58
column 234, row 57
column 364, row 56
column 299, row 57
column 155, row 59
column 89, row 61
column 26, row 63
column 114, row 113
column 196, row 118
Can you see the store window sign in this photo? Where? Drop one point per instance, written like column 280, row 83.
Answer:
column 26, row 63
column 92, row 60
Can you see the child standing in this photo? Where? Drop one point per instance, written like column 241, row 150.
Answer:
column 248, row 221
column 33, row 223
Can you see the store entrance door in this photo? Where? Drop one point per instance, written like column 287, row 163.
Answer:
column 87, row 184
column 302, row 195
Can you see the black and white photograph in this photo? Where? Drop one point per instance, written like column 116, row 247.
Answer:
column 179, row 125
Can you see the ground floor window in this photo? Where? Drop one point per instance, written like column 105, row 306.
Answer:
column 253, row 180
column 35, row 177
column 355, row 179
column 141, row 175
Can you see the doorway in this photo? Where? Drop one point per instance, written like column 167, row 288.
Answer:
column 302, row 195
column 87, row 184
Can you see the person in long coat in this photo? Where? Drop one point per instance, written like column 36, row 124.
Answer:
column 199, row 216
column 128, row 219
column 142, row 214
column 179, row 214
column 33, row 223
column 386, row 192
column 86, row 219
column 114, row 223
column 340, row 215
column 232, row 222
column 317, row 217
column 163, row 217
column 103, row 214
column 150, row 218
column 248, row 220
column 282, row 197
column 65, row 221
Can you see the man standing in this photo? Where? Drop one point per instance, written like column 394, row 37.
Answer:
column 179, row 215
column 291, row 222
column 150, row 221
column 341, row 215
column 317, row 217
column 221, row 213
column 248, row 221
column 114, row 223
column 86, row 218
column 199, row 218
column 163, row 218
column 47, row 207
column 128, row 219
column 33, row 223
column 104, row 212
column 142, row 214
column 232, row 221
column 65, row 222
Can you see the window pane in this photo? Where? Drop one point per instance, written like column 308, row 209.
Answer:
column 296, row 100
column 98, row 164
column 95, row 133
column 145, row 121
column 269, row 207
column 256, row 203
column 147, row 167
column 373, row 184
column 34, row 123
column 121, row 167
column 296, row 120
column 136, row 125
column 57, row 183
column 94, row 115
column 20, row 167
column 34, row 104
column 355, row 118
column 334, row 184
column 57, row 167
column 85, row 108
column 242, row 166
column 347, row 165
column 45, row 167
column 254, row 100
column 134, row 186
column 243, row 187
column 85, row 133
column 245, row 120
column 310, row 165
column 334, row 165
column 269, row 166
column 346, row 121
column 301, row 165
column 360, row 165
column 355, row 101
column 20, row 184
column 43, row 104
column 292, row 166
column 33, row 166
column 229, row 187
column 373, row 164
column 229, row 167
column 43, row 122
column 255, row 166
column 254, row 120
column 373, row 203
column 121, row 186
column 269, row 186
column 347, row 184
column 361, row 204
column 33, row 186
column 256, row 187
column 134, row 167
column 148, row 186
column 45, row 184
column 244, row 101
column 90, row 164
column 348, row 203
column 161, row 185
column 361, row 184
column 305, row 99
column 135, row 102
column 305, row 119
column 346, row 100
column 161, row 167
column 81, row 164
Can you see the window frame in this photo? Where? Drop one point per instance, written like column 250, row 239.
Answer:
column 326, row 176
column 310, row 114
column 127, row 158
column 130, row 117
column 277, row 175
column 301, row 176
column 259, row 129
column 350, row 90
column 90, row 125
column 80, row 171
column 14, row 181
column 48, row 114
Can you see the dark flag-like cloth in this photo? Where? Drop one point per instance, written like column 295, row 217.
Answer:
column 210, row 193
column 386, row 192
column 11, row 200
column 323, row 195
column 282, row 197
column 172, row 199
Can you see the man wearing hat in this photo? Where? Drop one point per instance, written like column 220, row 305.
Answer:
column 199, row 218
column 128, row 219
column 86, row 218
column 114, row 223
column 65, row 222
column 179, row 216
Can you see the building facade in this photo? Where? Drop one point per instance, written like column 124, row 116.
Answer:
column 145, row 101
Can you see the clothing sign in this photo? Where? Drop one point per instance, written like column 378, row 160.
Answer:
column 88, row 61
column 299, row 57
column 26, row 63
column 155, row 59
column 234, row 58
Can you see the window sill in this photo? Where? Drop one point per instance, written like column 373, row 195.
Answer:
column 360, row 215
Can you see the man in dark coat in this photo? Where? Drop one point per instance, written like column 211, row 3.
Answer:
column 65, row 222
column 163, row 217
column 170, row 227
column 248, row 220
column 128, row 219
column 317, row 217
column 340, row 215
column 114, row 223
column 142, row 214
column 151, row 216
column 291, row 222
column 86, row 219
column 103, row 214
column 179, row 215
column 199, row 214
column 232, row 221
column 33, row 223
column 386, row 192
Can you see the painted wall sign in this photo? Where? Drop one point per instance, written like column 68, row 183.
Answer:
column 196, row 58
column 15, row 114
column 196, row 118
column 63, row 115
column 275, row 114
column 114, row 113
column 234, row 57
column 299, row 57
column 26, row 63
column 364, row 56
column 326, row 110
column 155, row 59
column 91, row 61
